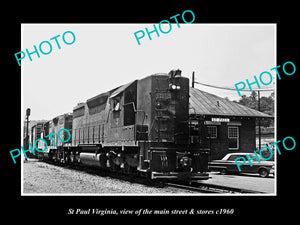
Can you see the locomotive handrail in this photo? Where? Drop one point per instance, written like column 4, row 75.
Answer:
column 132, row 103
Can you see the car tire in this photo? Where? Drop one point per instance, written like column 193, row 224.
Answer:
column 263, row 172
column 223, row 171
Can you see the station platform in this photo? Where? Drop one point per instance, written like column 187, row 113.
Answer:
column 245, row 181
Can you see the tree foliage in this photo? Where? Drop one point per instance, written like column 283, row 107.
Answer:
column 266, row 104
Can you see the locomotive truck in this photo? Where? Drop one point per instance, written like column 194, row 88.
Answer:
column 142, row 127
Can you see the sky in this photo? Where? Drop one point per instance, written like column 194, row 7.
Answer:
column 105, row 56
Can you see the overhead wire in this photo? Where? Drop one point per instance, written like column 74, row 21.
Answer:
column 232, row 89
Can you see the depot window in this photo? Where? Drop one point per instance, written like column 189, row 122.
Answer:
column 212, row 131
column 233, row 137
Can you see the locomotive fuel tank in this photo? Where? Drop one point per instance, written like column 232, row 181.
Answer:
column 90, row 159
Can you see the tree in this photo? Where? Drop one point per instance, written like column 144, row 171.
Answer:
column 250, row 101
column 266, row 105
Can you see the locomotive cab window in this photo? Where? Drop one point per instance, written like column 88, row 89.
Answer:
column 130, row 105
column 116, row 104
column 116, row 111
column 129, row 114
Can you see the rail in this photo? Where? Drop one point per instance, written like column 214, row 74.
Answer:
column 211, row 188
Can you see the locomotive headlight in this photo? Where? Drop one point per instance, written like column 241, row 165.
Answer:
column 172, row 86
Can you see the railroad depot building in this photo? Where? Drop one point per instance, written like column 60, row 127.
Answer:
column 221, row 125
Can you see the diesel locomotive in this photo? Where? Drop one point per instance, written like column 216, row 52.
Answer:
column 142, row 127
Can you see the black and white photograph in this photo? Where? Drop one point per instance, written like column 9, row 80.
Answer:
column 151, row 114
column 165, row 110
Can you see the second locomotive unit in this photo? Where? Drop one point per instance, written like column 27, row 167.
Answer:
column 138, row 128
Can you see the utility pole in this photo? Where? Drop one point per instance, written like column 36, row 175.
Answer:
column 193, row 79
column 259, row 133
column 27, row 122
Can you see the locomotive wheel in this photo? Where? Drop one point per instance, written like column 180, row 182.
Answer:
column 125, row 168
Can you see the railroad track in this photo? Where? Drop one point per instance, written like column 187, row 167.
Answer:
column 211, row 188
column 193, row 186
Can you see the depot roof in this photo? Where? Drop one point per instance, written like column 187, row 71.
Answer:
column 204, row 103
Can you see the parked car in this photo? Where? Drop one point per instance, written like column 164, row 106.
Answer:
column 228, row 165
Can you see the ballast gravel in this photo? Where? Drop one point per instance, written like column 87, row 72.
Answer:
column 43, row 178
